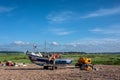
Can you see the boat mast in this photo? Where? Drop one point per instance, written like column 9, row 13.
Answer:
column 45, row 46
column 35, row 48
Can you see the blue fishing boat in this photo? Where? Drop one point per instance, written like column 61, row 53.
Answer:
column 47, row 61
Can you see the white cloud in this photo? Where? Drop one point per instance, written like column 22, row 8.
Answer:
column 18, row 46
column 96, row 30
column 64, row 16
column 82, row 45
column 103, row 12
column 114, row 30
column 4, row 9
column 95, row 45
column 54, row 43
column 20, row 43
column 71, row 44
column 61, row 31
column 58, row 17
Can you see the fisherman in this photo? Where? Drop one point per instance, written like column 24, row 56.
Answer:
column 52, row 58
column 57, row 56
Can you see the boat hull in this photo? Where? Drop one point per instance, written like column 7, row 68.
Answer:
column 44, row 60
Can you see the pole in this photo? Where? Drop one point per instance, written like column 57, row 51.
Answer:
column 45, row 46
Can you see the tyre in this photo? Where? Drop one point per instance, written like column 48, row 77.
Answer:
column 45, row 67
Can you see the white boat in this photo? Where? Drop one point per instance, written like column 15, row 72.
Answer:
column 39, row 59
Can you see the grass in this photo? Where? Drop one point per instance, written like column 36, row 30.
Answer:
column 106, row 59
column 22, row 58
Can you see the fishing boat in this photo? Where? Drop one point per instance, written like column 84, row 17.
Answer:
column 48, row 60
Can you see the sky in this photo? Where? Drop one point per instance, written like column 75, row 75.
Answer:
column 65, row 25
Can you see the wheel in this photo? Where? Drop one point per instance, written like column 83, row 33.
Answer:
column 45, row 67
column 54, row 67
column 82, row 66
column 89, row 68
column 76, row 64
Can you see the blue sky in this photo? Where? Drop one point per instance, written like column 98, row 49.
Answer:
column 65, row 25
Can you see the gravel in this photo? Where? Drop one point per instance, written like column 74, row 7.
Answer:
column 34, row 72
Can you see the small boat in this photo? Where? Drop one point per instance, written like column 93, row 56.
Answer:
column 47, row 61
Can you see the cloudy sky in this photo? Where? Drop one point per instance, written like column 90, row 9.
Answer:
column 65, row 25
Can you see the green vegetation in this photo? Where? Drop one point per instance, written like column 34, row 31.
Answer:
column 106, row 59
column 20, row 57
